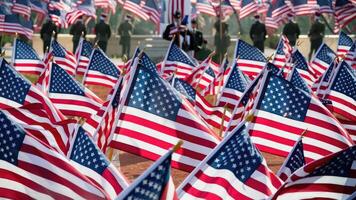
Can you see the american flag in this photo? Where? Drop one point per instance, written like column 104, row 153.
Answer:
column 345, row 13
column 101, row 71
column 233, row 88
column 204, row 6
column 283, row 53
column 87, row 157
column 25, row 59
column 12, row 24
column 82, row 55
column 59, row 5
column 280, row 10
column 304, row 7
column 108, row 4
column 300, row 63
column 63, row 57
column 235, row 169
column 33, row 170
column 155, row 183
column 322, row 59
column 226, row 7
column 270, row 21
column 342, row 92
column 298, row 81
column 21, row 92
column 263, row 6
column 247, row 7
column 178, row 62
column 58, row 17
column 350, row 56
column 136, row 8
column 325, row 6
column 293, row 162
column 69, row 96
column 22, row 7
column 38, row 6
column 151, row 8
column 350, row 126
column 81, row 8
column 202, row 75
column 332, row 177
column 322, row 84
column 249, row 59
column 344, row 44
column 154, row 117
column 282, row 112
column 34, row 119
column 177, row 5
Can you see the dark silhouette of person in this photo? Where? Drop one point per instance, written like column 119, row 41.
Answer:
column 48, row 30
column 125, row 32
column 258, row 34
column 291, row 30
column 316, row 35
column 102, row 32
column 77, row 30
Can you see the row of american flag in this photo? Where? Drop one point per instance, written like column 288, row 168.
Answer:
column 210, row 120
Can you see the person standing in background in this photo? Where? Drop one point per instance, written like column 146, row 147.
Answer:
column 258, row 34
column 197, row 37
column 125, row 32
column 291, row 30
column 77, row 30
column 46, row 33
column 316, row 35
column 221, row 40
column 102, row 32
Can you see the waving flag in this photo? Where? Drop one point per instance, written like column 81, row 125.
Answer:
column 247, row 7
column 342, row 92
column 350, row 57
column 270, row 21
column 155, row 183
column 33, row 170
column 154, row 117
column 282, row 112
column 280, row 10
column 81, row 8
column 250, row 60
column 283, row 53
column 322, row 59
column 293, row 162
column 235, row 169
column 12, row 24
column 69, row 96
column 202, row 75
column 63, row 57
column 204, row 6
column 38, row 6
column 322, row 84
column 136, row 8
column 303, row 67
column 82, row 55
column 344, row 44
column 86, row 157
column 345, row 13
column 108, row 4
column 25, row 59
column 101, row 71
column 58, row 16
column 303, row 7
column 22, row 7
column 325, row 6
column 152, row 10
column 298, row 81
column 332, row 177
column 350, row 126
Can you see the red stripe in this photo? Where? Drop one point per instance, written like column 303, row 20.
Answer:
column 315, row 187
column 200, row 194
column 12, row 194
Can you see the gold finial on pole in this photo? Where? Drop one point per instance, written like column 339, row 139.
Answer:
column 178, row 146
column 249, row 117
column 303, row 133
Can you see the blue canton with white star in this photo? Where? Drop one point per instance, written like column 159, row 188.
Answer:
column 25, row 51
column 248, row 93
column 11, row 138
column 248, row 52
column 101, row 63
column 237, row 155
column 86, row 153
column 299, row 82
column 57, row 49
column 280, row 48
column 299, row 61
column 184, row 88
column 116, row 100
column 152, row 94
column 325, row 54
column 210, row 72
column 339, row 165
column 273, row 68
column 86, row 49
column 147, row 62
column 62, row 82
column 153, row 185
column 176, row 55
column 12, row 85
column 236, row 80
column 345, row 40
column 296, row 159
column 345, row 82
column 328, row 72
column 282, row 98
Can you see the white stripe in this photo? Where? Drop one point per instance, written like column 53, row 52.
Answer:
column 67, row 107
column 333, row 180
column 91, row 80
column 9, row 102
column 186, row 196
column 311, row 195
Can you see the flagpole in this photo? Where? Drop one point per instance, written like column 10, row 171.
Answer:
column 222, row 121
column 209, row 57
column 220, row 82
column 220, row 28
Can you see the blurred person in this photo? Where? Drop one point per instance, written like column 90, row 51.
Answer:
column 203, row 51
column 316, row 34
column 291, row 30
column 102, row 32
column 77, row 30
column 258, row 34
column 48, row 29
column 125, row 32
column 221, row 40
column 197, row 37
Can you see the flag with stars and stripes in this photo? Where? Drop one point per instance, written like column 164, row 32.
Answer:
column 25, row 59
column 250, row 60
column 322, row 59
column 325, row 6
column 22, row 7
column 16, row 91
column 270, row 21
column 155, row 183
column 235, row 169
column 322, row 84
column 152, row 10
column 63, row 57
column 332, row 177
column 178, row 62
column 202, row 75
column 344, row 44
column 79, row 9
column 283, row 53
column 38, row 6
column 57, row 16
column 101, row 71
column 280, row 9
column 136, row 8
column 247, row 7
column 205, row 7
column 82, row 55
column 32, row 170
column 87, row 157
column 342, row 92
column 13, row 24
column 304, row 7
column 282, row 112
column 344, row 12
column 300, row 63
column 350, row 126
column 70, row 96
column 350, row 57
column 34, row 119
column 298, row 81
column 293, row 162
column 154, row 116
column 233, row 88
